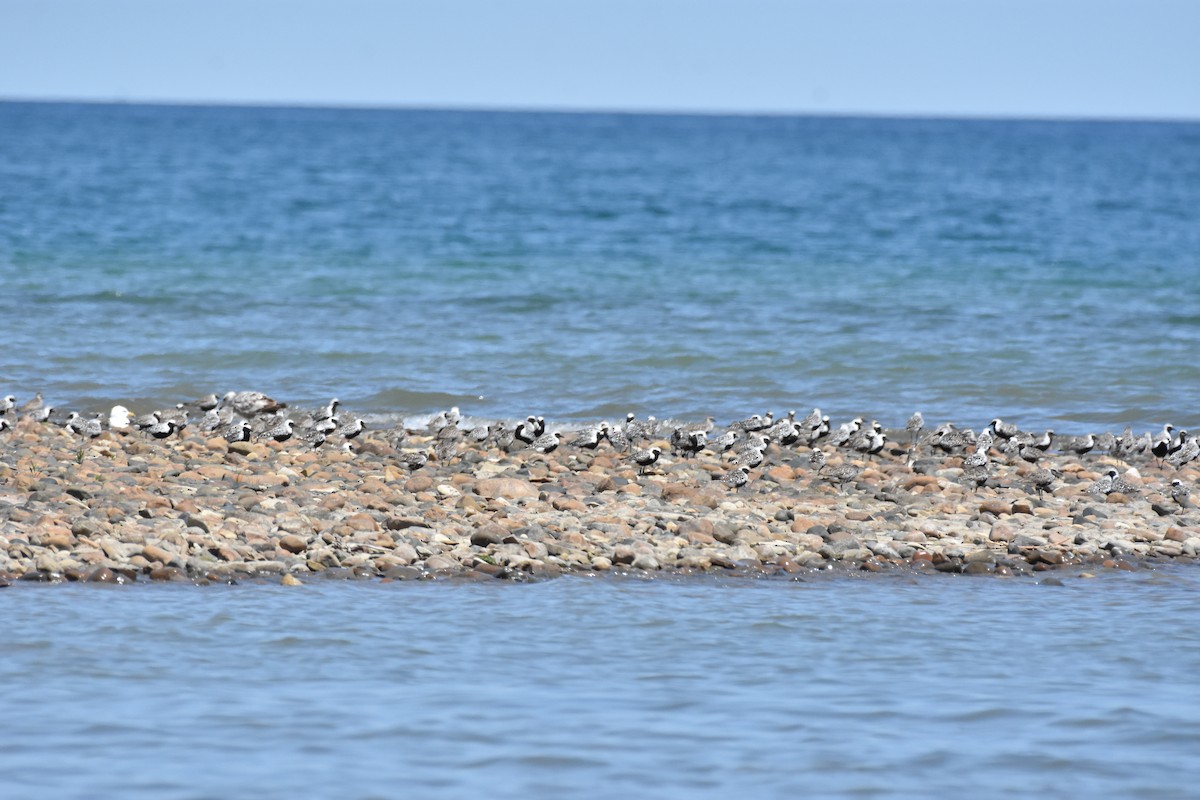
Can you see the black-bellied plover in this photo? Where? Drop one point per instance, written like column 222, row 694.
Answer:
column 755, row 422
column 725, row 442
column 547, row 442
column 845, row 432
column 1005, row 430
column 281, row 432
column 589, row 438
column 144, row 421
column 1079, row 445
column 816, row 459
column 914, row 426
column 1045, row 441
column 207, row 403
column 5, row 425
column 527, row 431
column 352, row 429
column 977, row 476
column 749, row 457
column 327, row 411
column 236, row 432
column 1187, row 452
column 314, row 437
column 162, row 430
column 646, row 458
column 7, row 403
column 1161, row 446
column 737, row 477
column 251, row 404
column 413, row 461
column 1181, row 493
column 1043, row 480
column 840, row 475
column 31, row 406
column 978, row 458
column 618, row 438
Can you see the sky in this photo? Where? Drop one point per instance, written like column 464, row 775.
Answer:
column 1024, row 58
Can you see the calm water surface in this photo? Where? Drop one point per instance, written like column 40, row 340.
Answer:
column 600, row 688
column 584, row 265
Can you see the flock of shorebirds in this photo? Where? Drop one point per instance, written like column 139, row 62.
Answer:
column 253, row 416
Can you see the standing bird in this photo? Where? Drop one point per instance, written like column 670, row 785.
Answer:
column 8, row 403
column 816, row 459
column 646, row 458
column 546, row 443
column 1188, row 451
column 352, row 429
column 977, row 476
column 1005, row 430
column 1043, row 479
column 916, row 424
column 1181, row 494
column 236, row 432
column 250, row 404
column 281, row 432
column 162, row 430
column 840, row 476
column 413, row 461
column 737, row 478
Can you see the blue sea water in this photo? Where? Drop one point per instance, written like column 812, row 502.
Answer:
column 946, row 686
column 583, row 265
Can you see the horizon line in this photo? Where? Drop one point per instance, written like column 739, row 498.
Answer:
column 591, row 110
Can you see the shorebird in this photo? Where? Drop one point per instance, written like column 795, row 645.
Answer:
column 1005, row 430
column 646, row 458
column 413, row 461
column 1079, row 445
column 749, row 457
column 31, row 406
column 618, row 438
column 91, row 428
column 756, row 422
column 1161, row 446
column 236, row 432
column 207, row 403
column 546, row 443
column 352, row 429
column 914, row 426
column 1188, row 451
column 978, row 458
column 7, row 403
column 845, row 431
column 816, row 459
column 1044, row 443
column 281, row 432
column 5, row 425
column 1181, row 494
column 527, row 431
column 144, row 421
column 1111, row 482
column 250, row 404
column 161, row 430
column 725, row 442
column 737, row 478
column 313, row 436
column 447, row 448
column 1029, row 453
column 44, row 414
column 842, row 475
column 589, row 438
column 1043, row 479
column 328, row 411
column 638, row 430
column 977, row 476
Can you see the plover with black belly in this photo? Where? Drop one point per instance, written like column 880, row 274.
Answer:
column 281, row 432
column 236, row 432
column 1043, row 480
column 1188, row 451
column 162, row 430
column 737, row 478
column 251, row 404
column 646, row 458
column 1181, row 493
column 413, row 461
column 841, row 475
column 7, row 403
column 352, row 429
column 1079, row 445
column 1005, row 430
column 546, row 443
column 914, row 426
column 816, row 459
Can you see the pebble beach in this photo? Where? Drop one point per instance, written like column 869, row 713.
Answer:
column 125, row 507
